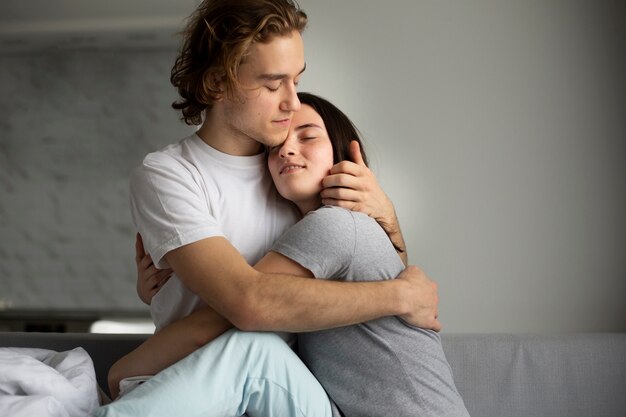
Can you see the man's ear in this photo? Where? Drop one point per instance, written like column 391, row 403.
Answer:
column 216, row 85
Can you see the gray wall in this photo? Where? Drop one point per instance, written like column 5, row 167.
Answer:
column 74, row 123
column 498, row 129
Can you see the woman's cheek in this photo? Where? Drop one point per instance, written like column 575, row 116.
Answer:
column 271, row 164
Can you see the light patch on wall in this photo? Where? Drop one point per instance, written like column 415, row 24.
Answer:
column 122, row 326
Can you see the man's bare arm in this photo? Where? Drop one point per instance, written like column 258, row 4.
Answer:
column 179, row 339
column 253, row 300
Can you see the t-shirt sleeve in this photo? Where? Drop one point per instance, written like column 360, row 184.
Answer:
column 323, row 242
column 168, row 207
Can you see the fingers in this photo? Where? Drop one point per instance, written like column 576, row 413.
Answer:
column 145, row 262
column 161, row 277
column 140, row 252
column 162, row 274
column 436, row 325
column 150, row 281
column 340, row 193
column 355, row 153
column 349, row 205
column 153, row 275
column 426, row 311
column 150, row 274
column 350, row 168
column 344, row 180
column 429, row 320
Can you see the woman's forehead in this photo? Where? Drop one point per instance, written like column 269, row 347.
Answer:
column 306, row 116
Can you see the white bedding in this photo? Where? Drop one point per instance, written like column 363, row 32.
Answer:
column 44, row 383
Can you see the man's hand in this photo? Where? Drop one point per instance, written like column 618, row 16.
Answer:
column 149, row 278
column 423, row 294
column 352, row 185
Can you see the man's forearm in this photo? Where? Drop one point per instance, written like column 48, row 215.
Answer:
column 294, row 304
column 253, row 300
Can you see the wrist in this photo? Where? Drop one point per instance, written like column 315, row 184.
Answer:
column 389, row 213
column 389, row 223
column 401, row 303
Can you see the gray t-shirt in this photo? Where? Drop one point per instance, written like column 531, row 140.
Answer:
column 383, row 367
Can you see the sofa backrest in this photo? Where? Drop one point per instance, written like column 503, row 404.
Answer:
column 572, row 375
column 498, row 375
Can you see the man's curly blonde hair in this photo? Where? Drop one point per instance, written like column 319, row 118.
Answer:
column 215, row 41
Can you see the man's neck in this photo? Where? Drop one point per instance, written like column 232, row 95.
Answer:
column 220, row 137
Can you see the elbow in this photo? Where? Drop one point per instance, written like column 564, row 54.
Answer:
column 252, row 323
column 251, row 314
column 113, row 378
column 247, row 319
column 245, row 323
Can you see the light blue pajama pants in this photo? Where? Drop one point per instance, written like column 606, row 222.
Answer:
column 239, row 372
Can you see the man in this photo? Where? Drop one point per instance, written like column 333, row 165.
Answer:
column 206, row 206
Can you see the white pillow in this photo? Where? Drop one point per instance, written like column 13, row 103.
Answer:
column 66, row 379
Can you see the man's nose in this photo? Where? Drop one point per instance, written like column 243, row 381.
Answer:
column 291, row 102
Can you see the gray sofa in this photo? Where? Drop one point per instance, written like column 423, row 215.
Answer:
column 573, row 375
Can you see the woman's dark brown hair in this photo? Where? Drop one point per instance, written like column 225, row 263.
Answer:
column 339, row 127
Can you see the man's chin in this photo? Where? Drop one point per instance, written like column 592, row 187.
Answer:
column 275, row 140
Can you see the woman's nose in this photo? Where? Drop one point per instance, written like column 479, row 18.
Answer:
column 286, row 152
column 287, row 149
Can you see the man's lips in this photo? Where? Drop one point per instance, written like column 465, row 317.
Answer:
column 283, row 122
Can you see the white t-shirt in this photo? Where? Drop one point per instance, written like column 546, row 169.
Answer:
column 189, row 191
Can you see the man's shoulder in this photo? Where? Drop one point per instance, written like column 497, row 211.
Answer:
column 171, row 153
column 167, row 163
column 171, row 156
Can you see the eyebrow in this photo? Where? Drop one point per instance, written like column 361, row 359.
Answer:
column 307, row 125
column 278, row 77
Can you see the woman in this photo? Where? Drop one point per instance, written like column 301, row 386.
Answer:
column 382, row 367
column 378, row 368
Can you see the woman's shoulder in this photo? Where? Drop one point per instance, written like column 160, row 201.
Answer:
column 326, row 214
column 342, row 214
column 330, row 211
column 327, row 218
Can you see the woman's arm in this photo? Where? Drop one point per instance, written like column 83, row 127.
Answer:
column 183, row 337
column 168, row 346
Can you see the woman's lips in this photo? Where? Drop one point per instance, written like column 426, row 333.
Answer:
column 290, row 168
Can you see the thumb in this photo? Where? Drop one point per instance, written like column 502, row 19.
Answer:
column 355, row 153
